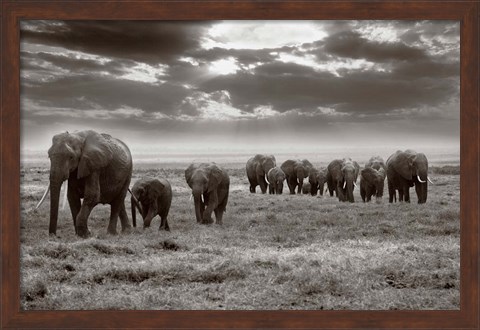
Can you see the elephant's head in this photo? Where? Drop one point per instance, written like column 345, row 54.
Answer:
column 412, row 166
column 376, row 162
column 78, row 154
column 349, row 171
column 265, row 164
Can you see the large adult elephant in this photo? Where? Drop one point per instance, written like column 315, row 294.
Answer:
column 98, row 168
column 210, row 185
column 317, row 178
column 406, row 169
column 342, row 175
column 257, row 169
column 295, row 171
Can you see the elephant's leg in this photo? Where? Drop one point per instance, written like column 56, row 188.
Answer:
column 124, row 218
column 406, row 193
column 271, row 190
column 391, row 191
column 91, row 198
column 164, row 218
column 211, row 200
column 292, row 183
column 114, row 213
column 363, row 193
column 222, row 205
column 74, row 202
column 253, row 185
column 262, row 183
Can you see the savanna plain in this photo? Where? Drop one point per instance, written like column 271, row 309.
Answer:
column 272, row 251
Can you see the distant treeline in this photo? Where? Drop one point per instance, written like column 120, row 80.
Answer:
column 448, row 169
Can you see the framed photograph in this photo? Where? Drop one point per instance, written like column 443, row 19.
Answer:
column 280, row 164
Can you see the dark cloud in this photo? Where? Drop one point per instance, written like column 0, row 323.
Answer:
column 110, row 93
column 353, row 45
column 147, row 41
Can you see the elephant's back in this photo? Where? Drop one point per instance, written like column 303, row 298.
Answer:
column 250, row 168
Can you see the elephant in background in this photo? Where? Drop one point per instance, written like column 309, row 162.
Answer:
column 342, row 175
column 275, row 180
column 372, row 182
column 295, row 171
column 98, row 168
column 306, row 188
column 210, row 186
column 257, row 169
column 152, row 197
column 317, row 179
column 376, row 162
column 406, row 169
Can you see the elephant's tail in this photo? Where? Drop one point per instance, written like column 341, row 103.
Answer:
column 134, row 215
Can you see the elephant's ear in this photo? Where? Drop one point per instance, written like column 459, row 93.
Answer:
column 154, row 190
column 215, row 178
column 188, row 174
column 403, row 164
column 96, row 154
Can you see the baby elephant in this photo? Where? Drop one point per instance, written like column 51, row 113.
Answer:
column 152, row 197
column 372, row 183
column 275, row 177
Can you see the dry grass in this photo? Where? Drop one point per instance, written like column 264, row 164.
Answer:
column 273, row 252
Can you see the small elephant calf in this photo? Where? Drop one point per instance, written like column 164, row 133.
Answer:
column 152, row 197
column 275, row 178
column 372, row 183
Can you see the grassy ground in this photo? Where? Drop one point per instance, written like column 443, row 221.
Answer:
column 273, row 252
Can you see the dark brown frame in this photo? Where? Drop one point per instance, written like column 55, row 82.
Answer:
column 467, row 12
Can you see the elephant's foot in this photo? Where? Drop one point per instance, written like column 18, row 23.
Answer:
column 83, row 231
column 207, row 221
column 111, row 230
column 127, row 229
column 166, row 228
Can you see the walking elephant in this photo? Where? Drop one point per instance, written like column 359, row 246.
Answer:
column 210, row 185
column 295, row 171
column 342, row 175
column 152, row 197
column 372, row 182
column 317, row 179
column 98, row 168
column 257, row 169
column 275, row 180
column 376, row 162
column 406, row 169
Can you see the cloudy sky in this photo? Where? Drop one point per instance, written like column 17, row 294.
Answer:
column 242, row 84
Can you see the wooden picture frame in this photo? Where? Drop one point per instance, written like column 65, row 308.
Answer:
column 12, row 12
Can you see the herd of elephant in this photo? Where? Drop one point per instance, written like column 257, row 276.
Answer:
column 99, row 167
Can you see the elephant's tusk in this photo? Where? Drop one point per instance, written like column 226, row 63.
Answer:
column 201, row 198
column 43, row 197
column 428, row 178
column 64, row 201
column 266, row 179
column 191, row 196
column 344, row 184
column 420, row 180
column 355, row 185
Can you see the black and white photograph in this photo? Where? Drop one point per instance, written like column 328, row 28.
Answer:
column 240, row 165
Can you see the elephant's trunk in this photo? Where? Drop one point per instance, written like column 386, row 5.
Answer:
column 350, row 191
column 55, row 188
column 300, row 177
column 197, row 200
